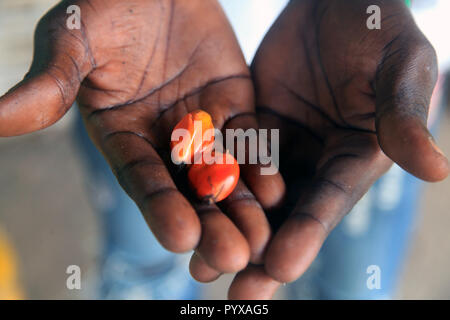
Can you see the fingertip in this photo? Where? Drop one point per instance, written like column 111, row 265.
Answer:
column 253, row 283
column 409, row 143
column 441, row 164
column 294, row 248
column 200, row 270
column 222, row 245
column 31, row 105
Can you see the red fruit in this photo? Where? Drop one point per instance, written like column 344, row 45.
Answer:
column 214, row 182
column 195, row 124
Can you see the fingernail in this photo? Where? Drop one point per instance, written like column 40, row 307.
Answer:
column 436, row 148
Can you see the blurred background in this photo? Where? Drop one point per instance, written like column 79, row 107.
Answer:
column 50, row 224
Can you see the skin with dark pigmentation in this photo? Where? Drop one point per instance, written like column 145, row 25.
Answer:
column 136, row 68
column 347, row 102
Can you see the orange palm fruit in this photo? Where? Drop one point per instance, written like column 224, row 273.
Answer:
column 191, row 141
column 214, row 182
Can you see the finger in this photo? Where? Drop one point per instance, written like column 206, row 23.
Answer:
column 257, row 191
column 60, row 63
column 253, row 283
column 231, row 105
column 144, row 176
column 246, row 213
column 405, row 82
column 222, row 246
column 263, row 180
column 201, row 271
column 351, row 163
column 253, row 228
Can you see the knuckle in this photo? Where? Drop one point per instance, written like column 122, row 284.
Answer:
column 422, row 59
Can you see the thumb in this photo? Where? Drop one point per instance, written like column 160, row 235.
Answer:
column 60, row 63
column 404, row 85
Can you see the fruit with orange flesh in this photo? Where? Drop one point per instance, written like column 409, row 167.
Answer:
column 214, row 182
column 195, row 124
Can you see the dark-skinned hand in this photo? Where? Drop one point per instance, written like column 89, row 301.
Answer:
column 136, row 68
column 348, row 102
column 336, row 90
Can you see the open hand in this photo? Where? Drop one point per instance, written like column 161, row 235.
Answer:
column 348, row 101
column 136, row 68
